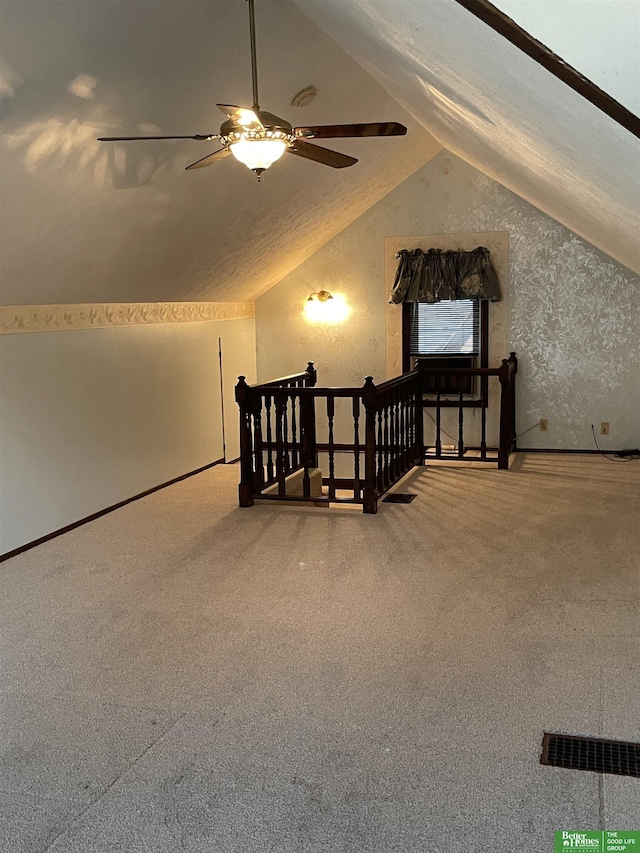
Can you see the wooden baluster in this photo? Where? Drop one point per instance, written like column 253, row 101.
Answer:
column 258, row 468
column 414, row 396
column 390, row 464
column 308, row 439
column 403, row 428
column 380, row 441
column 401, row 442
column 392, row 441
column 391, row 474
column 460, row 428
column 285, row 434
column 385, row 478
column 484, row 398
column 270, row 469
column 280, row 458
column 408, row 438
column 370, row 494
column 246, row 473
column 397, row 436
column 390, row 469
column 412, row 404
column 295, row 456
column 438, row 427
column 483, row 438
column 330, row 415
column 356, row 448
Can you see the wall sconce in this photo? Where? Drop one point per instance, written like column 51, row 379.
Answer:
column 323, row 307
column 320, row 296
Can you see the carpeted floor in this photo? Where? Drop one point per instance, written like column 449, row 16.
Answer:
column 184, row 675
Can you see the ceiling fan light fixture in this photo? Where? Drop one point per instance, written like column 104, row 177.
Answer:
column 258, row 153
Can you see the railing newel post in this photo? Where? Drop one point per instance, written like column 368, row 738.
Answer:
column 419, row 418
column 243, row 398
column 506, row 435
column 311, row 376
column 370, row 493
column 513, row 360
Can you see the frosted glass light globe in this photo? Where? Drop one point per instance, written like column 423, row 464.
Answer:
column 258, row 153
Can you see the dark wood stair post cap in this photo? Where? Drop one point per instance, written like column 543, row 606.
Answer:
column 241, row 389
column 368, row 391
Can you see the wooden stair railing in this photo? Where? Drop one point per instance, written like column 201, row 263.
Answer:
column 435, row 378
column 280, row 421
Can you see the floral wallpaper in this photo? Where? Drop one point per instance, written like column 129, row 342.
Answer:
column 572, row 311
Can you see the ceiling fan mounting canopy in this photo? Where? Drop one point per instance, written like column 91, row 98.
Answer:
column 258, row 138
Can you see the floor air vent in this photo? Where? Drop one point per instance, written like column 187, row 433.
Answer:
column 399, row 498
column 591, row 753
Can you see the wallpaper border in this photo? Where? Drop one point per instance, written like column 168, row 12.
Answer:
column 15, row 319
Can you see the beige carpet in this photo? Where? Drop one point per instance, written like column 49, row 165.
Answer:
column 184, row 675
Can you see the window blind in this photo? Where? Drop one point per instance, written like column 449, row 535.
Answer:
column 445, row 328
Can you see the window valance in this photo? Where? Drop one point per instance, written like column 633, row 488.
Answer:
column 435, row 275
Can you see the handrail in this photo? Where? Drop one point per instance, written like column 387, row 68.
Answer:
column 310, row 392
column 309, row 375
column 396, row 382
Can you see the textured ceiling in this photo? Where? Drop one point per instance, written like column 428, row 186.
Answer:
column 600, row 38
column 84, row 221
column 500, row 111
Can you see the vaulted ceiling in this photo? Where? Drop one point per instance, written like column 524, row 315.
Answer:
column 499, row 110
column 83, row 221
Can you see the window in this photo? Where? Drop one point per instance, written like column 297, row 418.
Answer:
column 451, row 333
column 450, row 327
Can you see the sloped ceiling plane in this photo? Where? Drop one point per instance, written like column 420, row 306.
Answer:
column 499, row 110
column 83, row 223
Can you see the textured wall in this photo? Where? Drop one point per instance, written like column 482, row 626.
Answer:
column 572, row 314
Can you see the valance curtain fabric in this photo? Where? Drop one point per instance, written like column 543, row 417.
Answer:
column 435, row 275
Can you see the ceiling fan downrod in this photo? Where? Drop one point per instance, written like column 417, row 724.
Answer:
column 254, row 61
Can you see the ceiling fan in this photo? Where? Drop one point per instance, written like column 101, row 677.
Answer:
column 258, row 138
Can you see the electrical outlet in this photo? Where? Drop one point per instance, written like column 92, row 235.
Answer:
column 604, row 428
column 544, row 424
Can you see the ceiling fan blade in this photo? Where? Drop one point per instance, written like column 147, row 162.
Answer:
column 335, row 131
column 134, row 138
column 209, row 159
column 321, row 155
column 242, row 116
